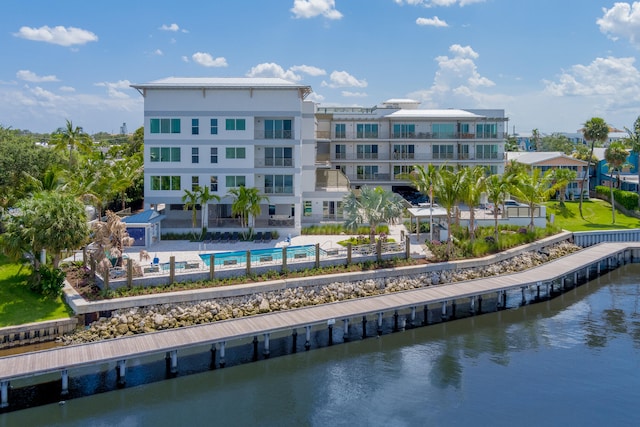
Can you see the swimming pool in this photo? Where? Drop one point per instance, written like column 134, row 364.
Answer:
column 260, row 255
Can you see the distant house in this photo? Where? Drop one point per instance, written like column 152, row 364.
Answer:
column 628, row 174
column 546, row 160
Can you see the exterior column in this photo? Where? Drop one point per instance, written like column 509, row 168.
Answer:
column 575, row 279
column 472, row 305
column 444, row 310
column 307, row 343
column 379, row 324
column 266, row 350
column 4, row 394
column 412, row 318
column 524, row 295
column 345, row 336
column 121, row 372
column 65, row 382
column 174, row 362
column 222, row 347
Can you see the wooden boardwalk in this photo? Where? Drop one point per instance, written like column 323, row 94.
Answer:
column 65, row 358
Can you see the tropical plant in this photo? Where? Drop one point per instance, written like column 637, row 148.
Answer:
column 373, row 206
column 561, row 178
column 125, row 173
column 191, row 199
column 633, row 141
column 473, row 185
column 111, row 238
column 204, row 198
column 73, row 139
column 246, row 204
column 448, row 188
column 616, row 156
column 50, row 221
column 595, row 130
column 533, row 189
column 497, row 188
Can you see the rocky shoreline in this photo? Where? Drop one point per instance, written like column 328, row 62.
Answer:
column 153, row 318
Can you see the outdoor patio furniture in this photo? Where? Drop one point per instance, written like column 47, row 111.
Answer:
column 258, row 238
column 267, row 237
column 209, row 237
column 216, row 237
column 235, row 237
column 225, row 237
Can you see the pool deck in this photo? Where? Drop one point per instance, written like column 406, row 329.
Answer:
column 184, row 250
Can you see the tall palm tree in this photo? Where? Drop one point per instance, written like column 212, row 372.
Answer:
column 473, row 185
column 246, row 204
column 595, row 130
column 534, row 189
column 616, row 157
column 561, row 179
column 73, row 139
column 191, row 200
column 125, row 173
column 373, row 206
column 422, row 180
column 448, row 188
column 204, row 198
column 497, row 188
column 633, row 141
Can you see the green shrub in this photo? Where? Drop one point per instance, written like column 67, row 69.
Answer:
column 627, row 199
column 48, row 281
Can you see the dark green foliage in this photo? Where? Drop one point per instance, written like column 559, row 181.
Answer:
column 335, row 229
column 48, row 281
column 627, row 199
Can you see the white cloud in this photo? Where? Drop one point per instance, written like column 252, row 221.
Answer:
column 315, row 97
column 185, row 58
column 172, row 27
column 438, row 3
column 30, row 76
column 206, row 60
column 113, row 88
column 158, row 52
column 270, row 69
column 313, row 8
column 67, row 89
column 308, row 69
column 343, row 79
column 432, row 22
column 349, row 94
column 622, row 20
column 57, row 35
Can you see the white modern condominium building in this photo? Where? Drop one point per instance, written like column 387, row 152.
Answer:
column 262, row 132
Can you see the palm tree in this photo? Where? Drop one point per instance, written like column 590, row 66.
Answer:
column 535, row 135
column 473, row 183
column 125, row 173
column 448, row 188
column 497, row 188
column 191, row 200
column 633, row 141
column 561, row 178
column 422, row 180
column 246, row 205
column 373, row 206
column 52, row 180
column 616, row 157
column 534, row 189
column 72, row 139
column 595, row 130
column 204, row 198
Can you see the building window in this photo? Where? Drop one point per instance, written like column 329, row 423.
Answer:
column 443, row 130
column 164, row 182
column 491, row 170
column 195, row 183
column 164, row 125
column 195, row 155
column 277, row 129
column 214, row 126
column 443, row 151
column 367, row 130
column 341, row 151
column 282, row 184
column 235, row 153
column 403, row 151
column 278, row 156
column 195, row 126
column 307, row 208
column 401, row 170
column 341, row 130
column 213, row 186
column 463, row 151
column 367, row 172
column 487, row 130
column 235, row 124
column 235, row 181
column 214, row 154
column 331, row 210
column 272, row 209
column 401, row 130
column 488, row 151
column 367, row 151
column 164, row 154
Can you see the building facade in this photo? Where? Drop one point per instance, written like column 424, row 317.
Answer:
column 224, row 133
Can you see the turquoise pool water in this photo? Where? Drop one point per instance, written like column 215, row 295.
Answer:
column 260, row 255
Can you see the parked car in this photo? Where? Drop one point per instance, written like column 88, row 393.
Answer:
column 507, row 203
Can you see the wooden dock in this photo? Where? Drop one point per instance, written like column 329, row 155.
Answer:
column 63, row 359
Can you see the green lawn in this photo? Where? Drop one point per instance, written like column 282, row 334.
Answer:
column 19, row 305
column 597, row 216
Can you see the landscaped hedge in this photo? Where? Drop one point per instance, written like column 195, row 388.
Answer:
column 627, row 199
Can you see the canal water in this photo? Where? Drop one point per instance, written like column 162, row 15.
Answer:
column 573, row 360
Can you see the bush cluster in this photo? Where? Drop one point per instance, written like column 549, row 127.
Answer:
column 627, row 199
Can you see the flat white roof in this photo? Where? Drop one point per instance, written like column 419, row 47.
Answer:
column 219, row 82
column 436, row 114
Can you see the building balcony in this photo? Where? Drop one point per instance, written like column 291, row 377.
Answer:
column 411, row 136
column 370, row 177
column 412, row 157
column 273, row 134
column 277, row 191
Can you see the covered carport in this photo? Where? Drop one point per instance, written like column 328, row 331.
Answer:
column 434, row 214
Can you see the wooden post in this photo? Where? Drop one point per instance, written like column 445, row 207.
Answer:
column 379, row 250
column 284, row 259
column 65, row 382
column 129, row 273
column 317, row 255
column 93, row 267
column 172, row 269
column 106, row 279
column 121, row 371
column 248, row 263
column 212, row 266
column 349, row 249
column 407, row 247
column 84, row 256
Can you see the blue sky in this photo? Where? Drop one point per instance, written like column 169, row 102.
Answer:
column 550, row 64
